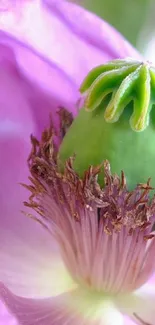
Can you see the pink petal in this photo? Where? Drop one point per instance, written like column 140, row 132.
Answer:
column 45, row 91
column 35, row 49
column 20, row 102
column 10, row 4
column 128, row 321
column 5, row 317
column 28, row 311
column 16, row 124
column 88, row 27
column 62, row 62
column 27, row 251
column 70, row 308
column 65, row 35
column 146, row 301
column 31, row 271
column 140, row 305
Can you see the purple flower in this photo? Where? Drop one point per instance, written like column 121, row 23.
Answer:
column 46, row 49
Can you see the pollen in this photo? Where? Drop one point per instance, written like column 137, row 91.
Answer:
column 104, row 233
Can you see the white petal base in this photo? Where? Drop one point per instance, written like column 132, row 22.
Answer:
column 140, row 306
column 78, row 308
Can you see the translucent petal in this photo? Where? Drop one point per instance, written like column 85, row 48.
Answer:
column 70, row 308
column 82, row 33
column 140, row 304
column 25, row 248
column 32, row 271
column 6, row 317
column 91, row 29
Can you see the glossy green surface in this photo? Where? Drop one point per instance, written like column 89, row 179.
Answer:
column 93, row 140
column 117, row 122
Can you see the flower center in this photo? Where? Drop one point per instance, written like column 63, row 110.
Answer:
column 105, row 234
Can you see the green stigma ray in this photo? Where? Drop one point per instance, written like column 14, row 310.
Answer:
column 127, row 81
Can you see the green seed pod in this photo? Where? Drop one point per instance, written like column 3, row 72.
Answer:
column 117, row 122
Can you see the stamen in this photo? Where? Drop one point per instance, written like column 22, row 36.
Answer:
column 66, row 120
column 105, row 234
